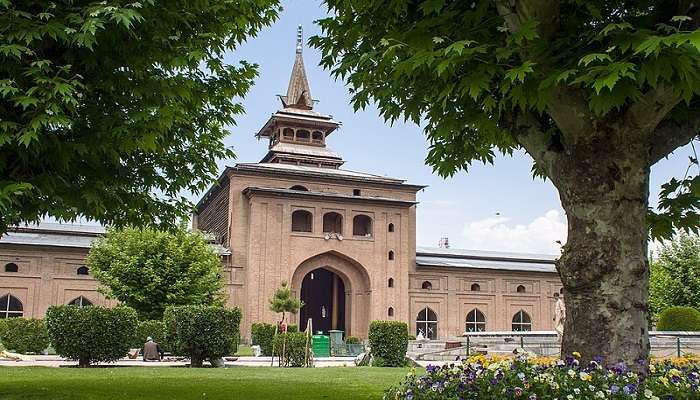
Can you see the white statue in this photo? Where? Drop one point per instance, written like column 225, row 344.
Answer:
column 559, row 316
column 420, row 335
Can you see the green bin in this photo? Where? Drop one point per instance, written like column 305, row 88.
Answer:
column 321, row 346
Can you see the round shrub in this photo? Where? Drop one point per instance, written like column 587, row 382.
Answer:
column 202, row 332
column 153, row 328
column 24, row 335
column 679, row 319
column 262, row 334
column 91, row 334
column 294, row 348
column 388, row 341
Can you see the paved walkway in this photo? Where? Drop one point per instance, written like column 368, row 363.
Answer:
column 56, row 361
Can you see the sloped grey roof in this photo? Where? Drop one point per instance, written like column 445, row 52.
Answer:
column 65, row 235
column 317, row 171
column 68, row 239
column 293, row 148
column 479, row 259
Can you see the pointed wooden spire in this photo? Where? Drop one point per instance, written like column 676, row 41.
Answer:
column 298, row 93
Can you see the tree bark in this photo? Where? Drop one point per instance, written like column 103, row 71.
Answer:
column 604, row 189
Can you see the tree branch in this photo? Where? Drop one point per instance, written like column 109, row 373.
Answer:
column 529, row 134
column 546, row 12
column 646, row 114
column 569, row 109
column 670, row 135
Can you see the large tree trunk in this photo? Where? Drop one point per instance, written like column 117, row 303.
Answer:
column 604, row 268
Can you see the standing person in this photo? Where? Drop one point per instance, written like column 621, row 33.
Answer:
column 152, row 351
column 559, row 315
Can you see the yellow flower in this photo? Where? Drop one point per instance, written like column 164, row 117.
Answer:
column 576, row 354
column 584, row 377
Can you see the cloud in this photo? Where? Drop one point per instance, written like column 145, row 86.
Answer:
column 499, row 234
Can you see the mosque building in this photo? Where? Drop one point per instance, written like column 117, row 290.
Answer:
column 345, row 241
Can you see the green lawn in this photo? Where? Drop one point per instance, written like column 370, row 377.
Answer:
column 183, row 383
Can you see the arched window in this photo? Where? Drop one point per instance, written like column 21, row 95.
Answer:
column 303, row 135
column 390, row 311
column 82, row 270
column 391, row 254
column 288, row 133
column 302, row 221
column 10, row 307
column 476, row 287
column 80, row 302
column 317, row 137
column 11, row 267
column 520, row 289
column 426, row 285
column 332, row 222
column 522, row 322
column 391, row 227
column 299, row 188
column 391, row 282
column 476, row 321
column 426, row 323
column 362, row 225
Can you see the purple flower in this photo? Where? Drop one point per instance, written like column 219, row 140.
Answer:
column 614, row 389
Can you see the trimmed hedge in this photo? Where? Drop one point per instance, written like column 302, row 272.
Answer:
column 295, row 348
column 153, row 328
column 24, row 335
column 352, row 340
column 389, row 343
column 262, row 334
column 679, row 319
column 202, row 331
column 91, row 334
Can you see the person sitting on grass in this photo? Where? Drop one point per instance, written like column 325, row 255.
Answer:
column 152, row 350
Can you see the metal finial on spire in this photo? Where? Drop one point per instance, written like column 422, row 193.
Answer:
column 299, row 39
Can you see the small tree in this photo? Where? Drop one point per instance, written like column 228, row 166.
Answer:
column 151, row 270
column 675, row 275
column 283, row 302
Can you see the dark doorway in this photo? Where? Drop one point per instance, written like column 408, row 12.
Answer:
column 323, row 294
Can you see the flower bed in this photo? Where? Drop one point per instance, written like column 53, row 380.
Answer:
column 529, row 378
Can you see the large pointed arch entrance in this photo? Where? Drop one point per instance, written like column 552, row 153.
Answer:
column 323, row 294
column 336, row 292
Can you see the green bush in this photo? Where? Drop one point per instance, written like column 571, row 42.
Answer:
column 352, row 340
column 91, row 334
column 389, row 343
column 153, row 328
column 202, row 331
column 411, row 337
column 24, row 335
column 294, row 349
column 679, row 319
column 262, row 334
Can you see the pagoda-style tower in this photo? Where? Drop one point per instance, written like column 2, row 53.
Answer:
column 297, row 133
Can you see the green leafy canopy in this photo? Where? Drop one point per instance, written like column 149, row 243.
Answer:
column 111, row 109
column 479, row 75
column 151, row 270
